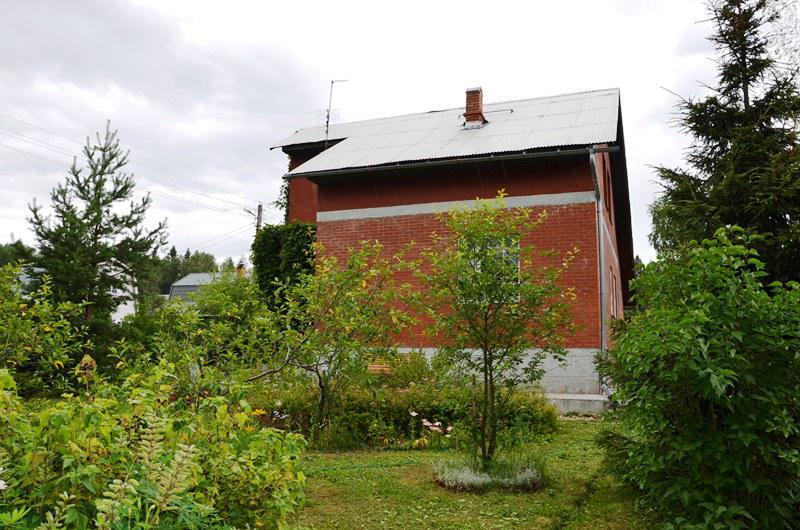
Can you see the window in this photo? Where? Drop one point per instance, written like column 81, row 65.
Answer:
column 489, row 271
column 496, row 254
column 608, row 191
column 614, row 303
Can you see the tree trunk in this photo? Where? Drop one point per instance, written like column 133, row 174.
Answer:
column 323, row 406
column 492, row 420
column 485, row 457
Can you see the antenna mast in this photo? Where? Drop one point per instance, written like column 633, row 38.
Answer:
column 328, row 114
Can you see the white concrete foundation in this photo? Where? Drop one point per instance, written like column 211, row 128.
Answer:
column 572, row 386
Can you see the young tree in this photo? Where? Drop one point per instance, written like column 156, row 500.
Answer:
column 497, row 306
column 744, row 164
column 334, row 320
column 95, row 246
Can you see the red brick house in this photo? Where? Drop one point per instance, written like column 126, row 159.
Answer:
column 388, row 178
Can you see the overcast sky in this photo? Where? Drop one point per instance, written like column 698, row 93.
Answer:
column 199, row 89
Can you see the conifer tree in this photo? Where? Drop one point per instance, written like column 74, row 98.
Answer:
column 744, row 163
column 94, row 245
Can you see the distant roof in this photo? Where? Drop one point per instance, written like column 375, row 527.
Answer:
column 578, row 119
column 196, row 278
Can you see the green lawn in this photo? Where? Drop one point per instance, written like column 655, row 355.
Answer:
column 394, row 489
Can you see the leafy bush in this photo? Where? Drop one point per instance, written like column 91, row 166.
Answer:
column 387, row 416
column 403, row 370
column 40, row 341
column 334, row 321
column 281, row 252
column 134, row 453
column 707, row 376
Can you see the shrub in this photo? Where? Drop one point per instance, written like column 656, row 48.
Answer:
column 403, row 370
column 707, row 377
column 381, row 416
column 40, row 341
column 334, row 321
column 132, row 452
column 281, row 252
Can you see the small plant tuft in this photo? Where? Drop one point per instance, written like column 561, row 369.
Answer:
column 517, row 474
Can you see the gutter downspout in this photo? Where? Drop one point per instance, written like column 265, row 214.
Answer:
column 601, row 254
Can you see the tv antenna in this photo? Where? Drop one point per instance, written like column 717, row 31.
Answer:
column 328, row 114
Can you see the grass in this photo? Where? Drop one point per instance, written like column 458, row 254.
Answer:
column 394, row 489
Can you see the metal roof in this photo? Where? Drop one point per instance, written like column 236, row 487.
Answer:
column 196, row 278
column 579, row 119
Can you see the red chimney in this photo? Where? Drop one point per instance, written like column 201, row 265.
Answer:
column 474, row 112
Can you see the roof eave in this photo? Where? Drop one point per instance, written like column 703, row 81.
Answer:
column 529, row 153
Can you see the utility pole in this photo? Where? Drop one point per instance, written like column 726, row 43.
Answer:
column 328, row 114
column 258, row 214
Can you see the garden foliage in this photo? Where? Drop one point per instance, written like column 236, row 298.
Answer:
column 40, row 342
column 707, row 374
column 138, row 455
column 378, row 413
column 282, row 252
column 335, row 320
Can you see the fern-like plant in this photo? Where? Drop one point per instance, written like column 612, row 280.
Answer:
column 173, row 480
column 54, row 520
column 118, row 498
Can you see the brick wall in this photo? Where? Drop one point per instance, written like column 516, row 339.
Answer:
column 302, row 192
column 566, row 227
column 457, row 182
column 612, row 281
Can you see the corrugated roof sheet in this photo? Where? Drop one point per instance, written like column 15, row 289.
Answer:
column 196, row 278
column 582, row 118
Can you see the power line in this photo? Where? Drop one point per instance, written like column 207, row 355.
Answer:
column 214, row 239
column 153, row 168
column 220, row 190
column 59, row 150
column 222, row 238
column 137, row 186
column 56, row 149
column 177, row 198
column 31, row 154
column 34, row 141
column 41, row 128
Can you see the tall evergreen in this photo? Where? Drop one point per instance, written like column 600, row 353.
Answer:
column 744, row 163
column 94, row 244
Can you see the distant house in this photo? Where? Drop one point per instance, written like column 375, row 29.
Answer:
column 190, row 283
column 27, row 281
column 387, row 179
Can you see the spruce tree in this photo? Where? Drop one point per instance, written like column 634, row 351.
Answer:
column 94, row 245
column 744, row 162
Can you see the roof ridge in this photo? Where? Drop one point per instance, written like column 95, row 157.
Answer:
column 457, row 108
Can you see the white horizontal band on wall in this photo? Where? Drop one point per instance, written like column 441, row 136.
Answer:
column 549, row 199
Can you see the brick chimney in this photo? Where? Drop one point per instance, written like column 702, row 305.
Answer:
column 474, row 111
